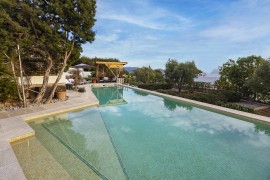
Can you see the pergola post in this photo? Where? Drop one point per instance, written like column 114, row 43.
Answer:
column 97, row 70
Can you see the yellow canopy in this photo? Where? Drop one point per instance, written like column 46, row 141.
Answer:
column 112, row 65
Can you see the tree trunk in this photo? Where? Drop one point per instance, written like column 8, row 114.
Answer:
column 180, row 85
column 179, row 88
column 15, row 79
column 44, row 86
column 255, row 96
column 51, row 94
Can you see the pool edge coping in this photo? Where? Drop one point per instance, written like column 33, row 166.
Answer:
column 225, row 110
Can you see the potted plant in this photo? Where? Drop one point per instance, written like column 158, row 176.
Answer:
column 81, row 89
column 77, row 77
column 61, row 93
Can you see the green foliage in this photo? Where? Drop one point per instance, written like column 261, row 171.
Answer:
column 129, row 79
column 45, row 30
column 8, row 89
column 231, row 96
column 235, row 106
column 61, row 88
column 260, row 81
column 235, row 75
column 210, row 98
column 69, row 86
column 81, row 89
column 105, row 59
column 181, row 74
column 88, row 78
column 75, row 74
column 145, row 75
column 155, row 86
column 158, row 76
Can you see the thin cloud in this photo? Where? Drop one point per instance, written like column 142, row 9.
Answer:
column 143, row 15
column 149, row 32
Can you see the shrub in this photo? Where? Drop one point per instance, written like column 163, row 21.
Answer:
column 81, row 89
column 8, row 89
column 61, row 88
column 69, row 86
column 236, row 107
column 232, row 96
column 155, row 86
column 204, row 97
column 89, row 78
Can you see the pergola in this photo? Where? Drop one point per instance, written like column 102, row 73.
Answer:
column 110, row 65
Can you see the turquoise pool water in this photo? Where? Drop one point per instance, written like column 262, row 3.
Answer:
column 157, row 138
column 135, row 135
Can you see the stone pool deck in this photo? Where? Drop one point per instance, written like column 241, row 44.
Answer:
column 13, row 127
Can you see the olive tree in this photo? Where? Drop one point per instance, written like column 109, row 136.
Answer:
column 181, row 73
column 144, row 75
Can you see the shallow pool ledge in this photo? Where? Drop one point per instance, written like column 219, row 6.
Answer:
column 15, row 128
column 208, row 106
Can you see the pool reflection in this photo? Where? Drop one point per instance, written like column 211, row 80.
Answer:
column 109, row 96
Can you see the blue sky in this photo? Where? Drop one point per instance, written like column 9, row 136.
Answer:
column 149, row 32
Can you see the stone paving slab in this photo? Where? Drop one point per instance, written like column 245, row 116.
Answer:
column 13, row 127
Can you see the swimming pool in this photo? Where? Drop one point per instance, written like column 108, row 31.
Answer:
column 135, row 135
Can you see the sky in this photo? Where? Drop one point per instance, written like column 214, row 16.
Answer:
column 209, row 32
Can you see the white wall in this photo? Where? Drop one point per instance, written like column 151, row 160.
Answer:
column 38, row 80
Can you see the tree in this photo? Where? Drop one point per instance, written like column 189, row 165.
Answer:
column 236, row 74
column 144, row 75
column 260, row 81
column 158, row 75
column 170, row 71
column 181, row 74
column 51, row 31
column 13, row 33
column 72, row 22
column 85, row 60
column 21, row 25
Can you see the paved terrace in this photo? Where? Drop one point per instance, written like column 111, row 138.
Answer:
column 13, row 127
